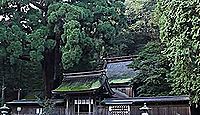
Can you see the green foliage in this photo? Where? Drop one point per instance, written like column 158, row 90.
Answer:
column 179, row 32
column 87, row 27
column 11, row 46
column 22, row 31
column 23, row 40
column 152, row 79
column 82, row 31
column 19, row 75
column 141, row 23
column 48, row 105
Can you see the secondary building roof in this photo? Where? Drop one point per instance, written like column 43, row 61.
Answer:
column 32, row 102
column 136, row 100
column 118, row 70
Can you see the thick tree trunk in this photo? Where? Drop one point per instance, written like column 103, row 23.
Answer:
column 51, row 69
column 57, row 61
column 48, row 72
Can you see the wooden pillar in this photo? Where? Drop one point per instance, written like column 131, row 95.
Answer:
column 19, row 94
column 89, row 105
column 78, row 106
column 71, row 110
column 94, row 106
column 67, row 107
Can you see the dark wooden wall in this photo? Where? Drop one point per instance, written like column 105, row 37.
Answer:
column 31, row 110
column 103, row 110
column 164, row 110
column 195, row 110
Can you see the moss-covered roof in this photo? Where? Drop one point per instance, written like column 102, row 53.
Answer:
column 81, row 82
column 79, row 85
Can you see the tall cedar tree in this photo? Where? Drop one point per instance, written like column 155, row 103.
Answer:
column 75, row 33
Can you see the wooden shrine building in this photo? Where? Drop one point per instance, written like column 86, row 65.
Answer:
column 84, row 91
column 107, row 91
column 120, row 74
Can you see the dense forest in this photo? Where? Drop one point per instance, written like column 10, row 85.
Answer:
column 41, row 39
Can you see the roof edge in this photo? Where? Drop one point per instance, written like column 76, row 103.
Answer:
column 134, row 100
column 120, row 59
column 84, row 73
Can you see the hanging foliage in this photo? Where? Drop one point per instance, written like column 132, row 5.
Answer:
column 179, row 31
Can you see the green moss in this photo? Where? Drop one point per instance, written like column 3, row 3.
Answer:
column 79, row 86
column 30, row 97
column 96, row 85
column 120, row 80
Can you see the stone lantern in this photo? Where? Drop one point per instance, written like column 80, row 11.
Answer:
column 5, row 110
column 144, row 109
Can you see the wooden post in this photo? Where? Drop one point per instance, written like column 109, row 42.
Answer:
column 19, row 93
column 71, row 107
column 3, row 94
column 189, row 111
column 94, row 106
column 78, row 106
column 67, row 107
column 3, row 88
column 89, row 105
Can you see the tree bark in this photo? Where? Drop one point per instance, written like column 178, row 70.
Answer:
column 48, row 72
column 51, row 67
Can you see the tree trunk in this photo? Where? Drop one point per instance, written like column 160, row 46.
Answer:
column 57, row 61
column 51, row 69
column 48, row 72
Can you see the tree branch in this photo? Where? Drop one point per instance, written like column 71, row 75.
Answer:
column 38, row 5
column 25, row 58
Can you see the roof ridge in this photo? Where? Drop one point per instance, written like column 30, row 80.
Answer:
column 82, row 76
column 84, row 73
column 121, row 57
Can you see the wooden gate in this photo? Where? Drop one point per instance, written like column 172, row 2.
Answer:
column 119, row 110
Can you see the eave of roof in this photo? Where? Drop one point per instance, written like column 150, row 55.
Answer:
column 120, row 81
column 119, row 94
column 160, row 99
column 120, row 59
column 32, row 102
column 84, row 73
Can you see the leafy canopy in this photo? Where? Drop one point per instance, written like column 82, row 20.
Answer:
column 179, row 31
column 87, row 27
column 152, row 79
